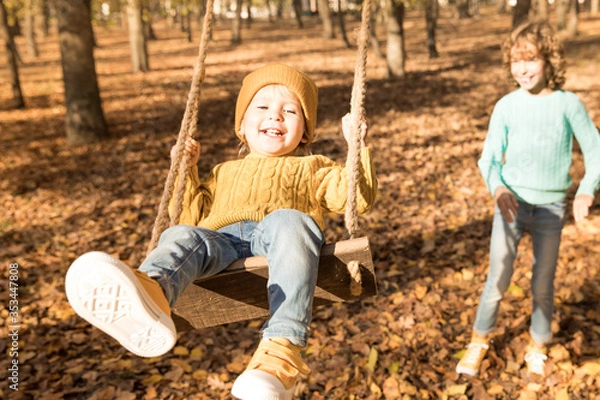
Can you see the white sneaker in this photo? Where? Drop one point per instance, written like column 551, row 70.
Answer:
column 471, row 361
column 272, row 372
column 536, row 360
column 123, row 302
column 255, row 384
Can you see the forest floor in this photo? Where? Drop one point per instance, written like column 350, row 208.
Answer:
column 429, row 229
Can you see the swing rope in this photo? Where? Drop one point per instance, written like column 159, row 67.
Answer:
column 189, row 127
column 357, row 113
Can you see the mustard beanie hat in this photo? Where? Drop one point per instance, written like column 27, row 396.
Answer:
column 299, row 83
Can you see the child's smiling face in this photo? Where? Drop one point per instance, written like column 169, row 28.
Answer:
column 527, row 68
column 273, row 124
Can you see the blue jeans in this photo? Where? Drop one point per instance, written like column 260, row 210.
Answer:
column 290, row 240
column 544, row 223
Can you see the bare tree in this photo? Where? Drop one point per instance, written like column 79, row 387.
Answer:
column 279, row 4
column 342, row 25
column 431, row 15
column 84, row 119
column 394, row 23
column 149, row 9
column 248, row 13
column 373, row 33
column 539, row 10
column 137, row 39
column 297, row 4
column 187, row 19
column 42, row 15
column 521, row 12
column 12, row 56
column 30, row 28
column 501, row 6
column 236, row 25
column 462, row 7
column 474, row 6
column 268, row 5
column 594, row 7
column 325, row 14
column 561, row 8
column 573, row 18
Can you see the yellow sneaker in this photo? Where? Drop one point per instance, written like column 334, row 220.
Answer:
column 471, row 361
column 123, row 302
column 536, row 359
column 272, row 372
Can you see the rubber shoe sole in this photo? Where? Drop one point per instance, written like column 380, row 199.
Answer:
column 255, row 384
column 106, row 293
column 472, row 359
column 467, row 371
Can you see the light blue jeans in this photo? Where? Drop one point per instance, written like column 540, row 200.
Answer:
column 290, row 240
column 544, row 223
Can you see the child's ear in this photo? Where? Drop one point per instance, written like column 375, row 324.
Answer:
column 242, row 135
column 304, row 138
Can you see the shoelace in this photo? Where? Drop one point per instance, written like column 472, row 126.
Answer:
column 473, row 353
column 536, row 362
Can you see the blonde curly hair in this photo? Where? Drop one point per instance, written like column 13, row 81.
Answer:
column 550, row 49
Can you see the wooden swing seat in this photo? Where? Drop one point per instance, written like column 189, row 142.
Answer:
column 240, row 292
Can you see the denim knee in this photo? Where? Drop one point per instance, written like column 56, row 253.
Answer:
column 292, row 222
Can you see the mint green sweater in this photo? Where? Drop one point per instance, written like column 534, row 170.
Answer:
column 528, row 148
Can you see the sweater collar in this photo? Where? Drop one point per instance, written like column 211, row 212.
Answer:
column 295, row 153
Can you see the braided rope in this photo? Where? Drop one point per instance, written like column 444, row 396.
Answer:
column 188, row 129
column 357, row 112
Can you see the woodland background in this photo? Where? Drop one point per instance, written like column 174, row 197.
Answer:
column 429, row 230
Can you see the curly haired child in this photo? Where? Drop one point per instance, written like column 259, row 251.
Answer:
column 525, row 164
column 270, row 203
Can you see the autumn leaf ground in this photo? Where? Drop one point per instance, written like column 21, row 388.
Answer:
column 429, row 229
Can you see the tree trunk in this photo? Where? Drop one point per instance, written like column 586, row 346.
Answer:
column 473, row 7
column 85, row 119
column 11, row 55
column 595, row 7
column 200, row 13
column 521, row 12
column 149, row 9
column 373, row 34
column 137, row 40
column 431, row 14
column 269, row 9
column 325, row 14
column 236, row 25
column 298, row 11
column 462, row 7
column 147, row 13
column 501, row 6
column 13, row 17
column 573, row 18
column 42, row 15
column 248, row 14
column 188, row 20
column 561, row 14
column 395, row 38
column 30, row 29
column 342, row 25
column 542, row 10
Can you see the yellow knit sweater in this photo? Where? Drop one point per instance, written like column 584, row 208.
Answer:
column 253, row 187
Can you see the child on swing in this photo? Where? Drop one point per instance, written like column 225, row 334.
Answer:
column 525, row 164
column 270, row 203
